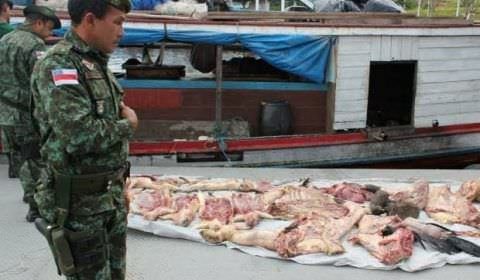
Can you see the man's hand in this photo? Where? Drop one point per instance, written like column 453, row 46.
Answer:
column 128, row 113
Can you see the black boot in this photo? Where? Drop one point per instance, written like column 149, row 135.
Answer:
column 32, row 213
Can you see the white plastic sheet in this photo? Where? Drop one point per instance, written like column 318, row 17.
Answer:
column 355, row 255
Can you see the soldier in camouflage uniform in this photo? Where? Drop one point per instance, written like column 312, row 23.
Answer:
column 19, row 50
column 5, row 7
column 84, row 127
column 5, row 27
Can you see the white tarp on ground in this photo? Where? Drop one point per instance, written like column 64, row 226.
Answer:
column 355, row 255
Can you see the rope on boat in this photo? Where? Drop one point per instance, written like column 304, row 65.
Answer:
column 222, row 145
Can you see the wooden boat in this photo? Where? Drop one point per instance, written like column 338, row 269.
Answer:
column 397, row 92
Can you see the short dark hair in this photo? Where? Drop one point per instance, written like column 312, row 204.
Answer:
column 79, row 8
column 9, row 3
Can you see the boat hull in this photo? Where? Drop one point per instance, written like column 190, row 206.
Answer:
column 452, row 147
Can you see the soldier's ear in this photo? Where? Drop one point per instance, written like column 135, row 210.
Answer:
column 89, row 19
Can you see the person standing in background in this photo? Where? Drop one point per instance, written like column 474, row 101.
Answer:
column 5, row 27
column 19, row 51
column 5, row 7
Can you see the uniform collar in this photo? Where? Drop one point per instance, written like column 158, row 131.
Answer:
column 82, row 47
column 28, row 29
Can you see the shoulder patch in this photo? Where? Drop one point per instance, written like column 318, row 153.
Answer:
column 40, row 54
column 90, row 65
column 65, row 77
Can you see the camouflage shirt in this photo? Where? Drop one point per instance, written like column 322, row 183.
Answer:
column 76, row 106
column 19, row 50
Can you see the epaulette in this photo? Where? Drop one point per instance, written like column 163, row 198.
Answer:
column 62, row 47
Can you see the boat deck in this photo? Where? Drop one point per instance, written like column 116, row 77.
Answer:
column 25, row 254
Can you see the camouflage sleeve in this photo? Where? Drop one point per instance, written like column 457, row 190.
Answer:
column 37, row 52
column 70, row 113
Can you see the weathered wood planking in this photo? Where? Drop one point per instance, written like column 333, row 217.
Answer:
column 442, row 119
column 448, row 77
column 448, row 83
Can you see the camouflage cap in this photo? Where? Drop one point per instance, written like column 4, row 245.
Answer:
column 44, row 11
column 123, row 5
column 8, row 2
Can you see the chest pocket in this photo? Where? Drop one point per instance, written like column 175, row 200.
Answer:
column 101, row 95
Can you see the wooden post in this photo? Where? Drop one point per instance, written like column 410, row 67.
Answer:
column 161, row 54
column 218, row 91
column 419, row 7
column 457, row 13
column 282, row 5
column 257, row 5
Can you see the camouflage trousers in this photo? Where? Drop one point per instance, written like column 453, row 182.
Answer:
column 14, row 137
column 29, row 178
column 12, row 149
column 113, row 223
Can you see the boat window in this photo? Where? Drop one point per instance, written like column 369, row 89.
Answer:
column 391, row 93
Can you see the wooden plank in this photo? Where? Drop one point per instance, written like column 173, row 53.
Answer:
column 396, row 48
column 456, row 86
column 446, row 109
column 352, row 72
column 448, row 42
column 450, row 97
column 351, row 106
column 376, row 48
column 349, row 125
column 355, row 39
column 386, row 48
column 414, row 48
column 449, row 64
column 405, row 51
column 350, row 95
column 356, row 83
column 354, row 45
column 442, row 53
column 448, row 76
column 302, row 15
column 359, row 19
column 352, row 60
column 350, row 117
column 451, row 119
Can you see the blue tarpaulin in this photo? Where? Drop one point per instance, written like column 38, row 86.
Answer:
column 145, row 4
column 302, row 55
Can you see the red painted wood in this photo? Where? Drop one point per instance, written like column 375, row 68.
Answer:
column 283, row 142
column 308, row 108
column 153, row 98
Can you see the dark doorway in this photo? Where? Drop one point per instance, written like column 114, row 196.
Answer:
column 391, row 93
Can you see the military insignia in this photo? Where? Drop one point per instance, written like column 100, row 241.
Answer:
column 65, row 77
column 100, row 106
column 39, row 54
column 90, row 66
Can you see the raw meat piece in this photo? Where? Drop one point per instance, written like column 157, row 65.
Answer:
column 447, row 207
column 417, row 194
column 290, row 202
column 350, row 191
column 310, row 233
column 216, row 208
column 471, row 190
column 242, row 185
column 181, row 184
column 384, row 239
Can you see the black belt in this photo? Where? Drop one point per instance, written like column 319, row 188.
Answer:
column 89, row 183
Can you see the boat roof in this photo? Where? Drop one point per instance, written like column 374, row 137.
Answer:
column 294, row 19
